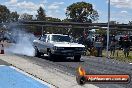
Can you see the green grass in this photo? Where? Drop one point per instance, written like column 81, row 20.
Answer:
column 120, row 56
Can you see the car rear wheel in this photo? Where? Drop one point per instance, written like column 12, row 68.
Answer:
column 77, row 58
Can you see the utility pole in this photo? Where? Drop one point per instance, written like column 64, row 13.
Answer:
column 107, row 48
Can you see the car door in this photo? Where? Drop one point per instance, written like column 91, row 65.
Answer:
column 42, row 42
column 48, row 44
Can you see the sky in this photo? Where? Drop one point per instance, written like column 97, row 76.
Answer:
column 121, row 10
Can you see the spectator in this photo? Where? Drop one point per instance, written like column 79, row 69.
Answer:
column 126, row 46
column 113, row 47
column 98, row 45
column 121, row 42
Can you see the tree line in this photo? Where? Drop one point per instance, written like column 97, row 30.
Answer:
column 76, row 12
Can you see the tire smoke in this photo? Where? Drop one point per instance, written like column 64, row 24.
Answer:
column 23, row 43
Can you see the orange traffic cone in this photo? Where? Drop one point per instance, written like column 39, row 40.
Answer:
column 2, row 49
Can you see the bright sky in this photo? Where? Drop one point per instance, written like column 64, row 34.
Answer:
column 121, row 10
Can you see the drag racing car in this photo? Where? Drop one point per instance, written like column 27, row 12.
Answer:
column 58, row 45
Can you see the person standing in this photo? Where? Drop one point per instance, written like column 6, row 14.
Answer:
column 98, row 45
column 113, row 47
column 126, row 46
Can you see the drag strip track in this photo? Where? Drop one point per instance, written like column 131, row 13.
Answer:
column 91, row 65
column 43, row 62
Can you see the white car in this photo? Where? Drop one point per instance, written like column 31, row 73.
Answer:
column 58, row 45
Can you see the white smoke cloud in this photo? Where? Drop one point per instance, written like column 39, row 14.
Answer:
column 23, row 43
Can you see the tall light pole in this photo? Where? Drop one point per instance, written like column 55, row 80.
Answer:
column 108, row 28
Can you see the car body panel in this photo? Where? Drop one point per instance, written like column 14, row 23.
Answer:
column 58, row 48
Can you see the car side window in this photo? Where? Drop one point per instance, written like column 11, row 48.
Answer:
column 43, row 38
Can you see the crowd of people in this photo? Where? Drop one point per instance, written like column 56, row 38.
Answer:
column 98, row 44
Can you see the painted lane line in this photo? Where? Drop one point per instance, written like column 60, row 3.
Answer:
column 49, row 85
column 2, row 65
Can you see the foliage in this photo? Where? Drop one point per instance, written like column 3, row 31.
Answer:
column 14, row 16
column 51, row 19
column 7, row 16
column 81, row 12
column 130, row 23
column 66, row 20
column 4, row 14
column 41, row 14
column 26, row 16
column 53, row 29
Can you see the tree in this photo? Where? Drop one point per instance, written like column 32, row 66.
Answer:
column 81, row 12
column 26, row 16
column 66, row 20
column 130, row 23
column 14, row 16
column 4, row 14
column 41, row 14
column 41, row 17
column 53, row 29
column 53, row 19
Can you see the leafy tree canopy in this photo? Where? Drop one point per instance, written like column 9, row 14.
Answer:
column 41, row 14
column 4, row 14
column 81, row 12
column 53, row 19
column 14, row 16
column 26, row 16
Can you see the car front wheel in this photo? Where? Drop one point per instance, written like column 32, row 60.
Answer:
column 50, row 55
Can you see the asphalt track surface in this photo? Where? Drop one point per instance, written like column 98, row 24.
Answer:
column 92, row 65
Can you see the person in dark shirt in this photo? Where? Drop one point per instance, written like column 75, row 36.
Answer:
column 113, row 47
column 126, row 47
column 98, row 45
column 121, row 42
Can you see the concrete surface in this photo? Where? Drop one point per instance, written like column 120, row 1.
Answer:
column 4, row 63
column 46, row 74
